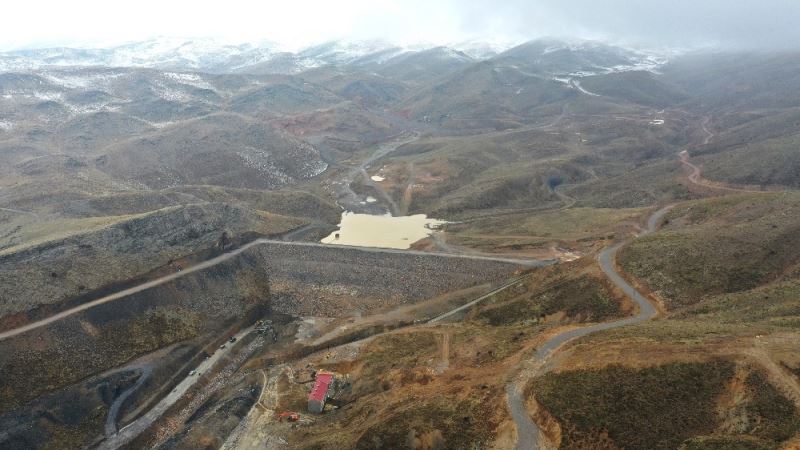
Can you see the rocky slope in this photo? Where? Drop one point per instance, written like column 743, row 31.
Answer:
column 63, row 269
column 201, row 304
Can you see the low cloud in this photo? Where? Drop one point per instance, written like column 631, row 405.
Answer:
column 732, row 23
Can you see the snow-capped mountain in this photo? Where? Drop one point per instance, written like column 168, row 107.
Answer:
column 213, row 56
column 205, row 55
column 349, row 51
column 209, row 55
column 578, row 58
column 478, row 49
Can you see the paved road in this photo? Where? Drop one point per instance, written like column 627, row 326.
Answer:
column 111, row 419
column 136, row 427
column 527, row 431
column 224, row 257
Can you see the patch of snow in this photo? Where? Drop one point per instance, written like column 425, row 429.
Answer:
column 6, row 126
column 48, row 96
column 345, row 51
column 190, row 79
column 90, row 108
column 447, row 53
column 657, row 122
column 483, row 49
column 309, row 63
column 314, row 168
column 577, row 85
column 77, row 80
column 170, row 94
column 161, row 124
column 261, row 160
column 377, row 178
column 552, row 49
column 586, row 73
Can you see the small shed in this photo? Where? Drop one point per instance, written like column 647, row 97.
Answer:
column 319, row 393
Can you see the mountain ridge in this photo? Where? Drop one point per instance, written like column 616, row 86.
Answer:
column 213, row 56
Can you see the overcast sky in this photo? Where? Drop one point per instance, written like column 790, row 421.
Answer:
column 296, row 23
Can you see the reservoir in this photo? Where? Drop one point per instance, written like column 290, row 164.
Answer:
column 366, row 230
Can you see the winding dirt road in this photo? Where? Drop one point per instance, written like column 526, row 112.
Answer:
column 568, row 201
column 709, row 133
column 527, row 430
column 136, row 427
column 695, row 174
column 577, row 85
column 348, row 200
column 695, row 177
column 111, row 419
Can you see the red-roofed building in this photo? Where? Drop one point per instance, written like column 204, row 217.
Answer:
column 319, row 393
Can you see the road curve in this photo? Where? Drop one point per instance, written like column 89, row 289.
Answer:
column 111, row 419
column 224, row 257
column 695, row 177
column 348, row 200
column 130, row 431
column 527, row 430
column 709, row 133
column 577, row 85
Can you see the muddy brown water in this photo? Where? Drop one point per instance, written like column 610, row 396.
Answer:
column 366, row 230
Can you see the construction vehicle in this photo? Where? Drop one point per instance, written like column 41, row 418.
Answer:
column 289, row 416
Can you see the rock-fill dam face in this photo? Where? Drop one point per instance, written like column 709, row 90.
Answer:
column 332, row 281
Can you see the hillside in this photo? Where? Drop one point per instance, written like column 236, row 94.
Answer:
column 608, row 256
column 224, row 150
column 55, row 269
column 694, row 260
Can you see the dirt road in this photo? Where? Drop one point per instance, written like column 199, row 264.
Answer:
column 569, row 202
column 527, row 430
column 19, row 211
column 224, row 257
column 394, row 209
column 136, row 427
column 695, row 177
column 111, row 419
column 709, row 133
column 577, row 85
column 348, row 199
column 469, row 305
